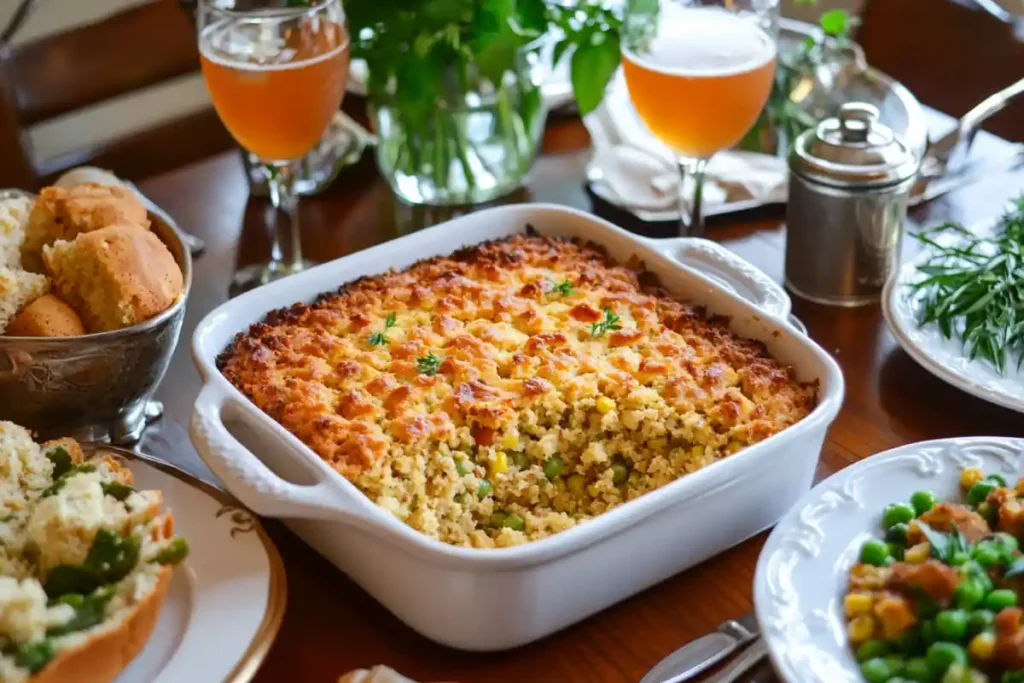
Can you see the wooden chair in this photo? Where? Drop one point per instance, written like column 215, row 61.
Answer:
column 950, row 53
column 139, row 47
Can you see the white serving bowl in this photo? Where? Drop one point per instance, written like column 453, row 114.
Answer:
column 803, row 569
column 492, row 599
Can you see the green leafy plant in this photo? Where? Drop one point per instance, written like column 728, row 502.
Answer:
column 429, row 364
column 609, row 322
column 973, row 288
column 381, row 338
column 563, row 288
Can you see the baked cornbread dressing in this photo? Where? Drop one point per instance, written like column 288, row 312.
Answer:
column 512, row 390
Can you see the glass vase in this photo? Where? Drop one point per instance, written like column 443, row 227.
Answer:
column 476, row 143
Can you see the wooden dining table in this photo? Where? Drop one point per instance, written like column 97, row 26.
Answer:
column 331, row 625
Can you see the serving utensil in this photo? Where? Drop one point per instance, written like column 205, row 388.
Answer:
column 698, row 655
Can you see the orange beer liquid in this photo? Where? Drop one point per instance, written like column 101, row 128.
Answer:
column 278, row 108
column 700, row 85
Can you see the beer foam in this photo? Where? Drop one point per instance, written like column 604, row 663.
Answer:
column 698, row 42
column 226, row 43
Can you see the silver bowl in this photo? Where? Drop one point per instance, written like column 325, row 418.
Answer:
column 95, row 387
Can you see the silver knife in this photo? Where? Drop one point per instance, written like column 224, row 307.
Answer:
column 930, row 187
column 698, row 655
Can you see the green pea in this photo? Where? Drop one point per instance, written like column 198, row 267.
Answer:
column 980, row 620
column 520, row 460
column 923, row 501
column 620, row 472
column 916, row 669
column 958, row 673
column 896, row 550
column 951, row 625
column 1001, row 598
column 498, row 519
column 553, row 467
column 173, row 553
column 969, row 593
column 464, row 466
column 1005, row 542
column 483, row 489
column 986, row 554
column 896, row 513
column 941, row 655
column 958, row 558
column 577, row 485
column 874, row 552
column 876, row 670
column 979, row 492
column 897, row 533
column 871, row 649
column 997, row 479
column 514, row 522
column 895, row 663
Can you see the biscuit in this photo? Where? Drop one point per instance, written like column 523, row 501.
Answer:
column 47, row 316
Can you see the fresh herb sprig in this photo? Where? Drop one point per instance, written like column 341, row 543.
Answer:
column 429, row 364
column 610, row 322
column 974, row 288
column 564, row 287
column 381, row 338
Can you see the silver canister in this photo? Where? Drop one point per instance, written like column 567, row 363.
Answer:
column 849, row 181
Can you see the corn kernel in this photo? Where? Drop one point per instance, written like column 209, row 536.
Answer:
column 594, row 490
column 970, row 476
column 604, row 404
column 577, row 485
column 500, row 463
column 861, row 628
column 918, row 554
column 982, row 645
column 510, row 441
column 658, row 444
column 560, row 484
column 857, row 603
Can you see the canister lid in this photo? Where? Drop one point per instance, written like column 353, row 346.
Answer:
column 853, row 149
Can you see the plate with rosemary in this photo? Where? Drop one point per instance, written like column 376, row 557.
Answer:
column 957, row 308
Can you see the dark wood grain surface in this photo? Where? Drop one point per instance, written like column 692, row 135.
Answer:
column 332, row 626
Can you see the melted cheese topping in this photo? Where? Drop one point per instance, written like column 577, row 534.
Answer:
column 498, row 360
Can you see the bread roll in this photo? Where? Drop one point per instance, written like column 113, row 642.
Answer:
column 17, row 289
column 60, row 214
column 114, row 277
column 13, row 217
column 47, row 316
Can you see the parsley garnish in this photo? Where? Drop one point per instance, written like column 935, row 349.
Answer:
column 564, row 287
column 428, row 364
column 610, row 322
column 945, row 546
column 380, row 338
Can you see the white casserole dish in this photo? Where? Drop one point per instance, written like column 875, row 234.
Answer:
column 492, row 599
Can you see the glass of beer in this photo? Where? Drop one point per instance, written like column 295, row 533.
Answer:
column 276, row 72
column 699, row 72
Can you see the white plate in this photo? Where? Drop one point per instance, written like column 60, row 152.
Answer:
column 803, row 568
column 943, row 357
column 226, row 600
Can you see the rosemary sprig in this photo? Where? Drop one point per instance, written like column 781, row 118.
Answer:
column 428, row 365
column 974, row 288
column 381, row 338
column 564, row 287
column 610, row 322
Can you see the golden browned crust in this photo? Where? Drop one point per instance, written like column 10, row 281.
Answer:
column 47, row 316
column 517, row 360
column 103, row 657
column 60, row 214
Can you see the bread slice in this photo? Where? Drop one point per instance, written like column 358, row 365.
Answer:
column 13, row 217
column 114, row 277
column 85, row 562
column 17, row 289
column 47, row 316
column 60, row 214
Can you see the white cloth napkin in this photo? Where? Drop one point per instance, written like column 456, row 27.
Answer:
column 636, row 171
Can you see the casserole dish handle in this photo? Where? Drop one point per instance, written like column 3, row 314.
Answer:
column 248, row 479
column 714, row 261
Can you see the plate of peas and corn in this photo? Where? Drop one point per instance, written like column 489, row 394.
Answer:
column 906, row 566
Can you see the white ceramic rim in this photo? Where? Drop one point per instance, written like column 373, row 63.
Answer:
column 596, row 530
column 976, row 377
column 802, row 570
